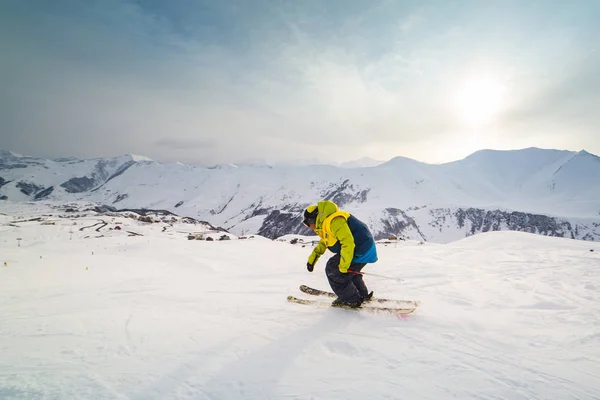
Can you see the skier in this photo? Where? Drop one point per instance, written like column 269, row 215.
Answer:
column 353, row 245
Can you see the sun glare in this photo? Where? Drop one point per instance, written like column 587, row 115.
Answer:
column 479, row 99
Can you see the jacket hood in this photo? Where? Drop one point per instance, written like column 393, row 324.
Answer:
column 325, row 208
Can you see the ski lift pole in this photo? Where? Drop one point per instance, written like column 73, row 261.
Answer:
column 376, row 275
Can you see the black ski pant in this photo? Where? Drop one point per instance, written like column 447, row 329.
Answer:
column 348, row 287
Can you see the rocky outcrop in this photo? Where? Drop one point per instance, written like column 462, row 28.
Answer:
column 3, row 182
column 28, row 188
column 5, row 165
column 495, row 220
column 395, row 222
column 462, row 221
column 471, row 221
column 10, row 160
column 79, row 184
column 101, row 171
column 120, row 197
column 44, row 193
column 345, row 193
column 279, row 223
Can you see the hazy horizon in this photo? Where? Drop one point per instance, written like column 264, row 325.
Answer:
column 296, row 162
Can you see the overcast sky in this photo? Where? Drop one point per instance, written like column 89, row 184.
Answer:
column 235, row 81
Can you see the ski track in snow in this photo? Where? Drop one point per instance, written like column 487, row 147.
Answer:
column 504, row 315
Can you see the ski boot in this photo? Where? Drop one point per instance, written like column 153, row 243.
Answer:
column 345, row 304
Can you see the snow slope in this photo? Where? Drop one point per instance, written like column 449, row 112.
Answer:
column 65, row 178
column 504, row 315
column 553, row 182
column 561, row 186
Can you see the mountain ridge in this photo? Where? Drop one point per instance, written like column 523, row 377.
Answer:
column 492, row 189
column 346, row 164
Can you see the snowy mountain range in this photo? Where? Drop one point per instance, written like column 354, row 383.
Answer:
column 550, row 192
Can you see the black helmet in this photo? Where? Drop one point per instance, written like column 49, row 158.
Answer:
column 310, row 215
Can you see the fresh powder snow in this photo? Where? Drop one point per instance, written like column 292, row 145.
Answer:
column 88, row 311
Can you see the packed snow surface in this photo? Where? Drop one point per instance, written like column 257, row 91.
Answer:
column 88, row 314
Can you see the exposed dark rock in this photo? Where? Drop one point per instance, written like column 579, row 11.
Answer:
column 345, row 193
column 395, row 223
column 69, row 160
column 279, row 223
column 101, row 174
column 226, row 204
column 79, row 184
column 4, row 165
column 3, row 182
column 121, row 169
column 179, row 204
column 120, row 198
column 3, row 197
column 29, row 189
column 44, row 193
column 288, row 218
column 145, row 211
column 104, row 209
column 495, row 220
column 398, row 223
column 10, row 160
column 260, row 211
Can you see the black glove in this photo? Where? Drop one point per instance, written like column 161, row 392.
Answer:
column 310, row 267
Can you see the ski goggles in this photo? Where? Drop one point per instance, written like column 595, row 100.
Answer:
column 308, row 221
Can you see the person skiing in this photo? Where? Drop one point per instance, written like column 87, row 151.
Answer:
column 353, row 245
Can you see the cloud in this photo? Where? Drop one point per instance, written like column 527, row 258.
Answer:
column 184, row 144
column 213, row 82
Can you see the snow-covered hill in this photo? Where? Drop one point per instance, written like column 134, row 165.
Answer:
column 549, row 192
column 361, row 163
column 88, row 314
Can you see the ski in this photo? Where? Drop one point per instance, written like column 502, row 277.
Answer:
column 317, row 292
column 365, row 307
